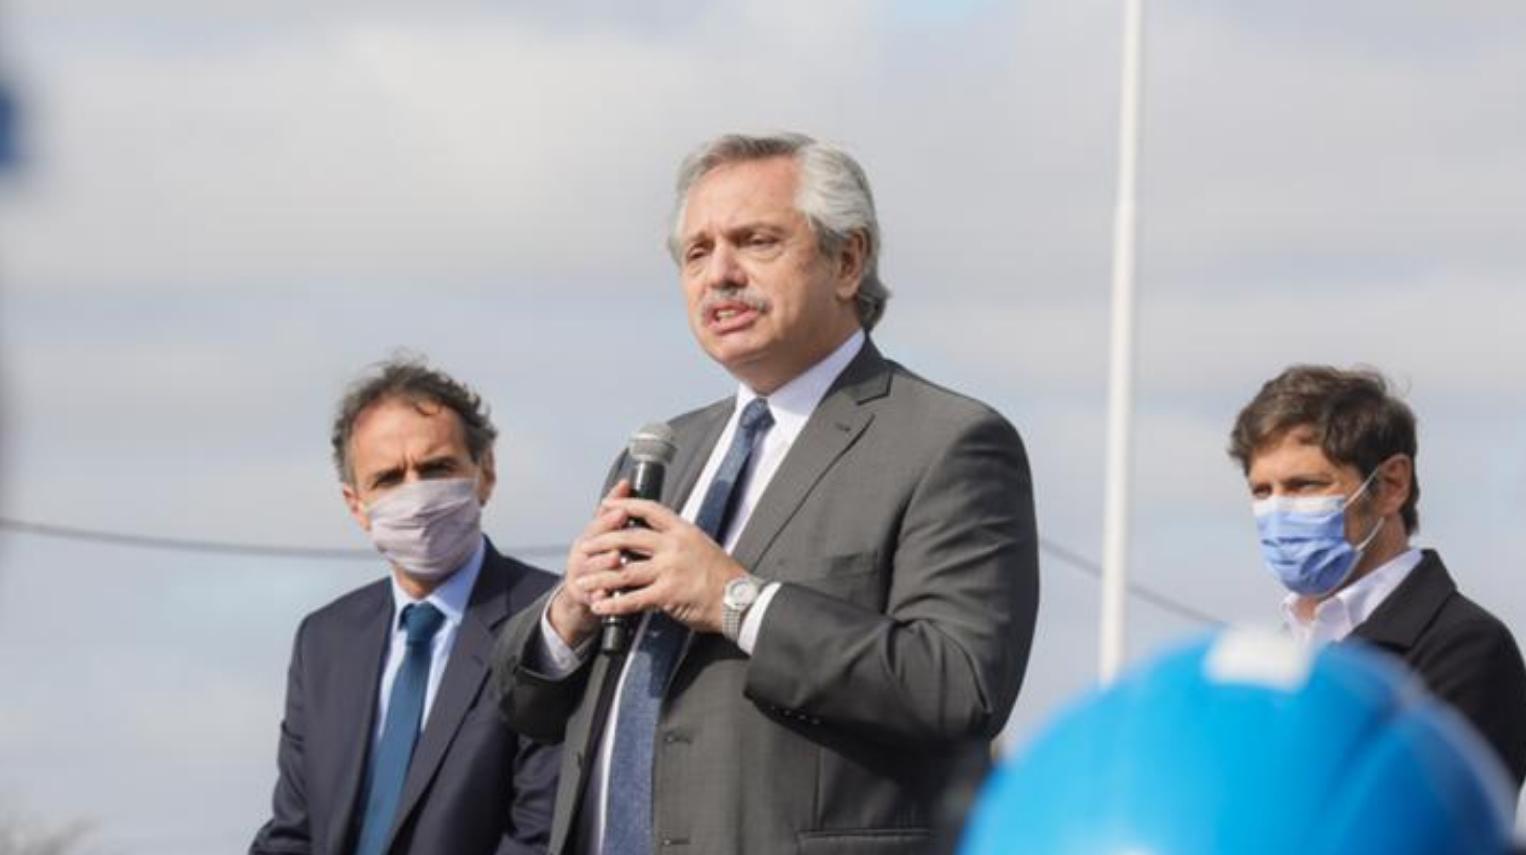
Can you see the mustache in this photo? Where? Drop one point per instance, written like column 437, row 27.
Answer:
column 746, row 296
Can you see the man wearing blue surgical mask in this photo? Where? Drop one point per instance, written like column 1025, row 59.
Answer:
column 1329, row 456
column 392, row 741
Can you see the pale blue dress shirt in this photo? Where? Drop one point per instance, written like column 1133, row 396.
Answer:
column 451, row 598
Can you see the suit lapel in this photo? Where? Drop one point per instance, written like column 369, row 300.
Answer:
column 357, row 680
column 585, row 732
column 697, row 443
column 1399, row 620
column 465, row 672
column 834, row 426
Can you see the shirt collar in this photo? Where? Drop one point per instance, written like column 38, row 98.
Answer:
column 1337, row 616
column 453, row 595
column 792, row 404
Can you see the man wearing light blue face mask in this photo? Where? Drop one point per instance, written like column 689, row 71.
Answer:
column 1329, row 456
column 392, row 742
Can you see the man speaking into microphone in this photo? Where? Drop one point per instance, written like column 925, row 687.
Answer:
column 832, row 605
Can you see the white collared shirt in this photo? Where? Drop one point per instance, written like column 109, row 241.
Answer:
column 791, row 406
column 451, row 598
column 1337, row 616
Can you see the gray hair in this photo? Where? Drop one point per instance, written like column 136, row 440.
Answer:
column 834, row 196
column 406, row 377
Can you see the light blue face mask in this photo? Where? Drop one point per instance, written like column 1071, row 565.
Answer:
column 1303, row 540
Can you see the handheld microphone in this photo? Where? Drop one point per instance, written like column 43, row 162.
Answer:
column 651, row 449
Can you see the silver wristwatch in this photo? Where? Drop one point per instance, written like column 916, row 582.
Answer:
column 737, row 597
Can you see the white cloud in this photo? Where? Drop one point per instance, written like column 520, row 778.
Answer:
column 504, row 144
column 1363, row 137
column 363, row 149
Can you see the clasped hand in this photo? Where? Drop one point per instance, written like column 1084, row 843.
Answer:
column 672, row 566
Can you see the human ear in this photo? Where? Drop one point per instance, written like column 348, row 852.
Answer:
column 356, row 506
column 852, row 258
column 487, row 476
column 1394, row 479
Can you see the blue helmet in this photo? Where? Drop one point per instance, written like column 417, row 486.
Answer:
column 1249, row 743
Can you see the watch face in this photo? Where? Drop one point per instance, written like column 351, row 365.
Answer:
column 741, row 592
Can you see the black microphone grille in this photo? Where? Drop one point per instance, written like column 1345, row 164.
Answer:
column 653, row 444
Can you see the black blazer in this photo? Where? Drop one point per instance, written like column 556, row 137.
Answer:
column 1465, row 655
column 474, row 786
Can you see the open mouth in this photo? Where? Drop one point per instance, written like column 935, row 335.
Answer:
column 730, row 317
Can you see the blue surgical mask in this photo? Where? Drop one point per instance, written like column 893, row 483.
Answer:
column 1303, row 540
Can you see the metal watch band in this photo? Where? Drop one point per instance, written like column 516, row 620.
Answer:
column 732, row 616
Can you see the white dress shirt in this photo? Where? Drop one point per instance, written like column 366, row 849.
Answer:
column 451, row 598
column 1336, row 617
column 791, row 406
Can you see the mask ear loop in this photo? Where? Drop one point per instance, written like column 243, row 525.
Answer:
column 1367, row 541
column 1366, row 482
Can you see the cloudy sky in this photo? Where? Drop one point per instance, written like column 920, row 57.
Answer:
column 226, row 210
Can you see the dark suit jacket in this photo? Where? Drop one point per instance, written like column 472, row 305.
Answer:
column 474, row 786
column 1465, row 655
column 901, row 527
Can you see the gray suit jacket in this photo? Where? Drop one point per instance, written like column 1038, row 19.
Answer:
column 901, row 526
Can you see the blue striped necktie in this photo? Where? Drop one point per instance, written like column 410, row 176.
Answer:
column 628, row 821
column 405, row 711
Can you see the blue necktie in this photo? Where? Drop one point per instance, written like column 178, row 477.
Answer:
column 628, row 819
column 405, row 710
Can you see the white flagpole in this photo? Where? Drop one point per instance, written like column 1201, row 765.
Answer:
column 1120, row 398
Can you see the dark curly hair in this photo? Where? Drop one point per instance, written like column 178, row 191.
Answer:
column 409, row 378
